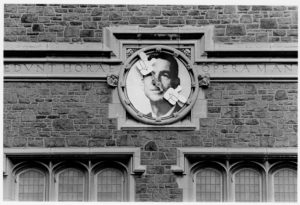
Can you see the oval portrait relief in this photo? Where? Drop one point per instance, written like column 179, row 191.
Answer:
column 158, row 85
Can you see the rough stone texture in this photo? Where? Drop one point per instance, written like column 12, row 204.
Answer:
column 48, row 22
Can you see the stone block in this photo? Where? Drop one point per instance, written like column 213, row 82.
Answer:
column 155, row 169
column 153, row 12
column 29, row 18
column 28, row 116
column 243, row 8
column 151, row 146
column 115, row 16
column 279, row 32
column 10, row 8
column 87, row 33
column 230, row 112
column 47, row 37
column 211, row 14
column 89, row 25
column 169, row 13
column 138, row 20
column 284, row 20
column 246, row 19
column 261, row 8
column 176, row 20
column 194, row 13
column 63, row 125
column 133, row 7
column 14, row 31
column 268, row 24
column 235, row 30
column 70, row 17
column 54, row 142
column 38, row 27
column 281, row 95
column 261, row 37
column 292, row 33
column 49, row 11
column 229, row 9
column 71, row 32
column 28, row 132
column 76, row 142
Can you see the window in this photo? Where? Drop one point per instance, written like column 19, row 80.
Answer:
column 71, row 185
column 208, row 185
column 285, row 185
column 110, row 185
column 241, row 175
column 31, row 186
column 247, row 185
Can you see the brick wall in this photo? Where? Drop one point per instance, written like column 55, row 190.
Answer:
column 84, row 23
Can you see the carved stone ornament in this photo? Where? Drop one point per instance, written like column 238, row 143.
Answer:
column 112, row 80
column 157, row 85
column 204, row 80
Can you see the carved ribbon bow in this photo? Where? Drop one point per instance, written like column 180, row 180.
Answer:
column 145, row 67
column 173, row 96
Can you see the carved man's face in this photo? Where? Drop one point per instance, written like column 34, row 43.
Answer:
column 161, row 69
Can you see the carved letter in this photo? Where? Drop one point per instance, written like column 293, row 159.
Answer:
column 216, row 66
column 234, row 68
column 17, row 68
column 78, row 68
column 51, row 67
column 276, row 68
column 89, row 67
column 40, row 67
column 288, row 68
column 67, row 69
column 28, row 68
column 6, row 68
column 245, row 67
column 262, row 68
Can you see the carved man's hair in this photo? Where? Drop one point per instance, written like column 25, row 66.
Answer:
column 175, row 81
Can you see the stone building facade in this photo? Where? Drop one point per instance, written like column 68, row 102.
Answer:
column 68, row 136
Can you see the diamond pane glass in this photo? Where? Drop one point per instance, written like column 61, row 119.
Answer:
column 247, row 186
column 31, row 186
column 208, row 185
column 285, row 185
column 70, row 186
column 110, row 185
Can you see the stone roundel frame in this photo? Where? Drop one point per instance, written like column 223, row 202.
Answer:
column 163, row 120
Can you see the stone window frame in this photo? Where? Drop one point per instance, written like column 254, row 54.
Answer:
column 52, row 161
column 229, row 161
column 27, row 168
column 209, row 165
column 273, row 170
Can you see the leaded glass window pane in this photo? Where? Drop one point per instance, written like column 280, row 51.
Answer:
column 285, row 185
column 247, row 186
column 208, row 185
column 110, row 185
column 31, row 186
column 71, row 183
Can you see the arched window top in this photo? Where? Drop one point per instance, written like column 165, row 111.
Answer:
column 208, row 183
column 283, row 165
column 99, row 167
column 209, row 165
column 110, row 185
column 25, row 166
column 71, row 185
column 285, row 185
column 58, row 168
column 31, row 185
column 257, row 167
